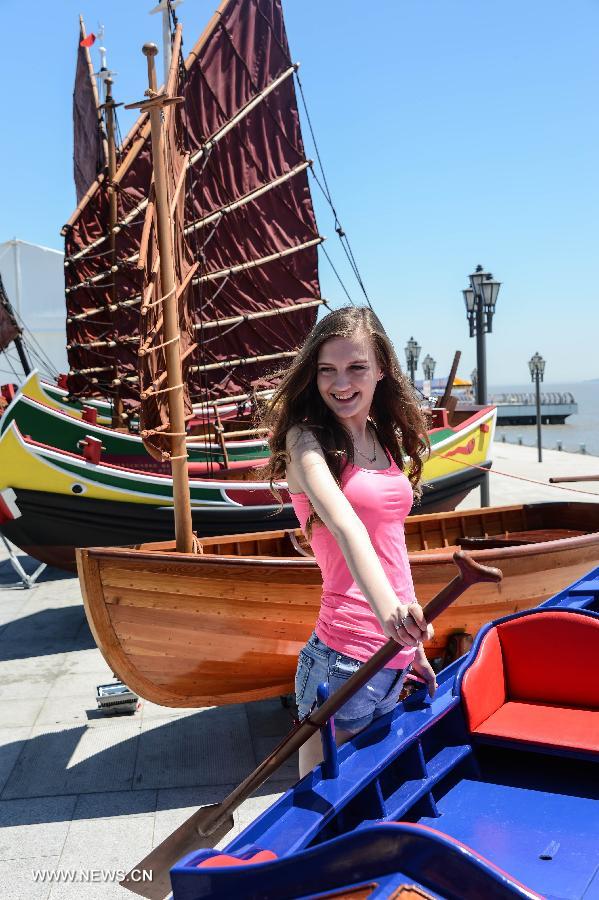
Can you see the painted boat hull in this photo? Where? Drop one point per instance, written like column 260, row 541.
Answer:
column 64, row 430
column 449, row 480
column 29, row 466
column 226, row 626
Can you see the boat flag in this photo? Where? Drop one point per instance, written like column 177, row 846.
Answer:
column 88, row 41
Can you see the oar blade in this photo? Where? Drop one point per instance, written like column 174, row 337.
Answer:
column 187, row 838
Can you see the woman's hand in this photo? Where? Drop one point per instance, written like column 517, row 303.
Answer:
column 422, row 668
column 407, row 625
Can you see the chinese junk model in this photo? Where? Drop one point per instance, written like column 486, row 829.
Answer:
column 489, row 791
column 247, row 218
column 226, row 625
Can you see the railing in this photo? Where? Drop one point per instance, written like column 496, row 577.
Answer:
column 553, row 398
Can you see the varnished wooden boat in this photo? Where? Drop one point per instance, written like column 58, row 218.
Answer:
column 226, row 626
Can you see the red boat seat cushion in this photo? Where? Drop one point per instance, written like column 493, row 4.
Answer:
column 225, row 859
column 516, row 687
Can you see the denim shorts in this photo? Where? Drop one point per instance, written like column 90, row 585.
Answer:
column 318, row 663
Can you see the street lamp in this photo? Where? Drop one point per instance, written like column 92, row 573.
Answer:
column 480, row 299
column 536, row 364
column 428, row 367
column 413, row 349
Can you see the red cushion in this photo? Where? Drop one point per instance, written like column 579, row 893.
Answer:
column 551, row 726
column 534, row 650
column 483, row 686
column 223, row 859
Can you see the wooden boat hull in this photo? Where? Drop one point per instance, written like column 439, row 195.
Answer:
column 485, row 791
column 226, row 626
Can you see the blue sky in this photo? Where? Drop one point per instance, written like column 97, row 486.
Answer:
column 453, row 132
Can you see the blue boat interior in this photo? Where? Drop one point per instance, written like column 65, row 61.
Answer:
column 488, row 791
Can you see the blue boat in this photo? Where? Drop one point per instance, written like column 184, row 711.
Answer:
column 488, row 791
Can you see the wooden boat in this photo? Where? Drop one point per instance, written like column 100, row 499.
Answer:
column 489, row 790
column 226, row 626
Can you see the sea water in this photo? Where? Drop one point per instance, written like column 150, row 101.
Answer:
column 582, row 428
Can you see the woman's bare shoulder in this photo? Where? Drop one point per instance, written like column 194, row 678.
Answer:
column 299, row 438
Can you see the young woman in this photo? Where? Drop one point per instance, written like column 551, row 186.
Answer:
column 343, row 422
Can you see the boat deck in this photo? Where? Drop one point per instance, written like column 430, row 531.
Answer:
column 530, row 820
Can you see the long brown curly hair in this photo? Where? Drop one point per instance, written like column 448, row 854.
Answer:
column 400, row 423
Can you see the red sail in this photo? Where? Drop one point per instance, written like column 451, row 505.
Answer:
column 256, row 292
column 88, row 146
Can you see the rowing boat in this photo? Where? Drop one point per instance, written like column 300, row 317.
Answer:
column 489, row 790
column 226, row 626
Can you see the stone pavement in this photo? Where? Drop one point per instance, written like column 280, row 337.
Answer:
column 93, row 794
column 83, row 791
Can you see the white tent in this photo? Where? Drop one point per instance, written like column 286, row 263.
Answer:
column 33, row 278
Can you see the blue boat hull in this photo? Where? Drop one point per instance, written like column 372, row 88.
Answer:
column 431, row 800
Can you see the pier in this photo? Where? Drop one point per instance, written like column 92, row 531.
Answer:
column 520, row 409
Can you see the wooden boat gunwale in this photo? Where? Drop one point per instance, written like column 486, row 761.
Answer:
column 146, row 553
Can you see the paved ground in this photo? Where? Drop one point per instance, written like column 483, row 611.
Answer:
column 80, row 791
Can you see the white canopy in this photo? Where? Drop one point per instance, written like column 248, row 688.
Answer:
column 33, row 278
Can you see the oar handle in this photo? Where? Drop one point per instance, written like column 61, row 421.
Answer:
column 470, row 572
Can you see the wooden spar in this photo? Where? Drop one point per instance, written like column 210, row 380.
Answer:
column 181, row 496
column 118, row 420
column 263, row 314
column 450, row 380
column 573, row 478
column 252, row 263
column 243, row 361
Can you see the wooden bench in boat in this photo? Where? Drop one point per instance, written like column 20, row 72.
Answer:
column 517, row 538
column 514, row 690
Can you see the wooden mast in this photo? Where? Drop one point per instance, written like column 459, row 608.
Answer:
column 181, row 497
column 109, row 105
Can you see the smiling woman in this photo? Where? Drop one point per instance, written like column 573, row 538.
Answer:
column 345, row 397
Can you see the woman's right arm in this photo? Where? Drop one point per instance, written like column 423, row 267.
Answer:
column 308, row 471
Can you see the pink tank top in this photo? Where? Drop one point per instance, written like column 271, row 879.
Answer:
column 381, row 499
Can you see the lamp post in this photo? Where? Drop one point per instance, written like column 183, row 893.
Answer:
column 413, row 349
column 428, row 367
column 480, row 299
column 536, row 364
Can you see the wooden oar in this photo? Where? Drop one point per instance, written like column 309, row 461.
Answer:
column 574, row 478
column 210, row 824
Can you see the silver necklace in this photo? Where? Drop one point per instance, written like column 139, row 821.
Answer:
column 363, row 455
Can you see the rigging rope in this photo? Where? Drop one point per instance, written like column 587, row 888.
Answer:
column 516, row 477
column 327, row 193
